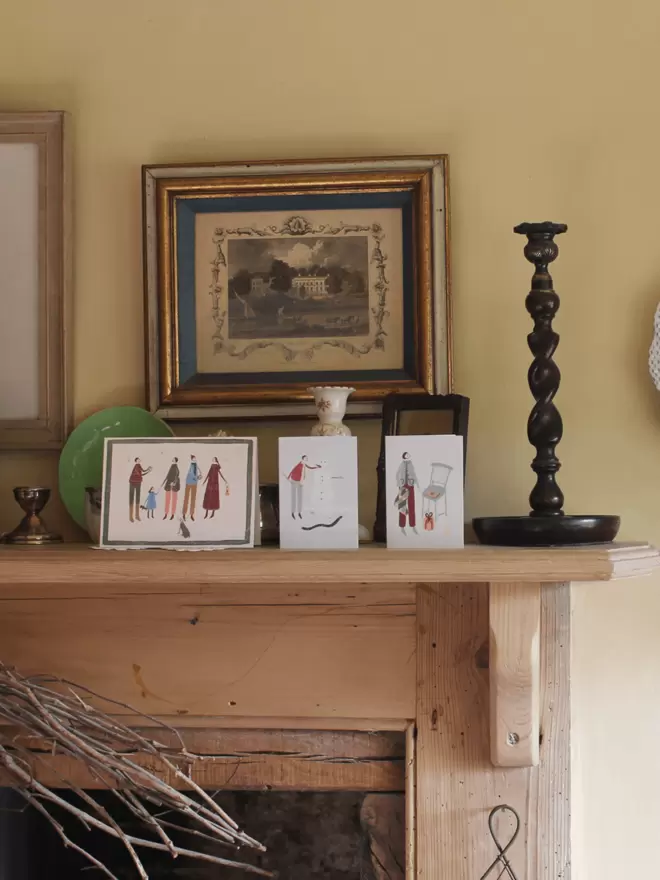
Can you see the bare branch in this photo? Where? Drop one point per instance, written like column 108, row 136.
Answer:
column 66, row 841
column 60, row 718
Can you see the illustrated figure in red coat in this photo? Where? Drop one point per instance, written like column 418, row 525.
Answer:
column 211, row 500
column 406, row 480
column 297, row 480
column 135, row 488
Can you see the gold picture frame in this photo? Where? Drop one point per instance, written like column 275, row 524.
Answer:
column 35, row 280
column 264, row 278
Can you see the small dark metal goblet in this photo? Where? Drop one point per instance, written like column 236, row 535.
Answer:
column 31, row 529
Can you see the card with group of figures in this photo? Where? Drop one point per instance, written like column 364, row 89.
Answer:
column 179, row 493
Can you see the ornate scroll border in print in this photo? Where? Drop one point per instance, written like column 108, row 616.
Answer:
column 299, row 226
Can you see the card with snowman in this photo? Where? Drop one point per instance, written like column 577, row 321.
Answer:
column 318, row 480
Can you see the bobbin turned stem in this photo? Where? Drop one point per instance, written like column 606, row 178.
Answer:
column 544, row 427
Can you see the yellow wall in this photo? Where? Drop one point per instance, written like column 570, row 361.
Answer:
column 548, row 111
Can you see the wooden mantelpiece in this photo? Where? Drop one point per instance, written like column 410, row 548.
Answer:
column 79, row 564
column 466, row 650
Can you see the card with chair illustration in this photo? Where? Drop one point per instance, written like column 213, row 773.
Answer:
column 424, row 491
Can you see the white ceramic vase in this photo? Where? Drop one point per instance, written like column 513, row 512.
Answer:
column 330, row 405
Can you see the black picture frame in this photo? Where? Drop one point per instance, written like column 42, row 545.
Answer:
column 395, row 408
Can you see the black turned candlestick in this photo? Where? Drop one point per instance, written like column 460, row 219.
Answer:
column 546, row 524
column 544, row 427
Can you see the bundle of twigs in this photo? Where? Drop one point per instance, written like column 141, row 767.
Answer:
column 60, row 714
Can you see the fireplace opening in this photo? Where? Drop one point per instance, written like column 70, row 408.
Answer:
column 326, row 805
column 330, row 835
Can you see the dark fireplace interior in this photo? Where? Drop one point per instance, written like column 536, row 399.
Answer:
column 330, row 835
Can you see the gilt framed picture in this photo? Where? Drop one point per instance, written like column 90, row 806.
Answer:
column 263, row 279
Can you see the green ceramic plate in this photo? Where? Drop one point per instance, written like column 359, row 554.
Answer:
column 81, row 462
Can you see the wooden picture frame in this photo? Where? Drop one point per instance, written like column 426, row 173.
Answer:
column 433, row 414
column 35, row 280
column 264, row 278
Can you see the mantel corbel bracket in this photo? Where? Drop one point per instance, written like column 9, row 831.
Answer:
column 515, row 657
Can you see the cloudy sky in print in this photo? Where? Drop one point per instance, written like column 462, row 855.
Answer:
column 257, row 255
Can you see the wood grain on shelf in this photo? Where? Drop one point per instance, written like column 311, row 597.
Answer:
column 161, row 571
column 186, row 654
column 256, row 759
column 272, row 722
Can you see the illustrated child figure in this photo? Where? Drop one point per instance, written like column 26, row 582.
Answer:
column 150, row 503
column 297, row 479
column 406, row 480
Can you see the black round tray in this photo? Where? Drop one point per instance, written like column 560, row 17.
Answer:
column 545, row 531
